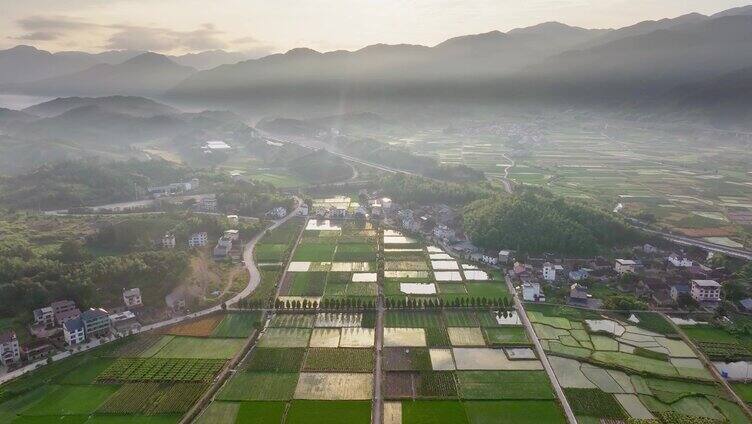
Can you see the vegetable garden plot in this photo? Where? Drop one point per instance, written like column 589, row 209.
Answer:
column 405, row 266
column 285, row 337
column 253, row 386
column 314, row 252
column 339, row 360
column 202, row 327
column 406, row 359
column 190, row 347
column 332, row 412
column 350, row 267
column 489, row 385
column 161, row 369
column 466, row 336
column 392, row 413
column 275, row 359
column 237, row 325
column 292, row 320
column 335, row 386
column 406, row 274
column 506, row 336
column 153, row 398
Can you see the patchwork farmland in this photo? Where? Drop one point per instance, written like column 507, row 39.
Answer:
column 149, row 378
column 354, row 320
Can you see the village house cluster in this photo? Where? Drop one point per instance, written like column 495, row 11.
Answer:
column 62, row 324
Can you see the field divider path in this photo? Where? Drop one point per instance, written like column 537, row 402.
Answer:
column 713, row 370
column 231, row 368
column 571, row 419
column 378, row 401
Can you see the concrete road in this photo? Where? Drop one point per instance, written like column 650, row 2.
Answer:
column 519, row 307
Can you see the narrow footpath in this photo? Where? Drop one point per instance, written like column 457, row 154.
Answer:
column 378, row 401
column 571, row 419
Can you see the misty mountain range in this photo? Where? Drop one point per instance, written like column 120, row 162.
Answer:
column 681, row 66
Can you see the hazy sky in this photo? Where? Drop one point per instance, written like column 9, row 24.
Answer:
column 262, row 26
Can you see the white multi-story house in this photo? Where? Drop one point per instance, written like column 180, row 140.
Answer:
column 44, row 316
column 200, row 239
column 531, row 292
column 232, row 235
column 10, row 351
column 168, row 241
column 74, row 332
column 303, row 211
column 504, row 256
column 132, row 297
column 277, row 213
column 64, row 310
column 706, row 290
column 680, row 261
column 549, row 272
column 624, row 266
column 233, row 219
column 490, row 257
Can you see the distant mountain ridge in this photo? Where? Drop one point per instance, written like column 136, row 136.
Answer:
column 145, row 74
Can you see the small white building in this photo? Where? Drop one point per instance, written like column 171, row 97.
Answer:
column 549, row 272
column 649, row 248
column 233, row 235
column 74, row 332
column 44, row 316
column 531, row 292
column 132, row 298
column 303, row 211
column 10, row 351
column 680, row 261
column 504, row 256
column 624, row 266
column 233, row 219
column 200, row 239
column 444, row 233
column 490, row 257
column 168, row 241
column 706, row 290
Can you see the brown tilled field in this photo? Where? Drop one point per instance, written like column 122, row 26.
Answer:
column 399, row 385
column 200, row 328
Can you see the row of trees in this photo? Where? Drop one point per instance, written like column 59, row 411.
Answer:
column 536, row 222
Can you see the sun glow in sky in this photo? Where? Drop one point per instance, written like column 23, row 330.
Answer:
column 263, row 26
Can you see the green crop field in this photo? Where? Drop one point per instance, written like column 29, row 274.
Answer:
column 71, row 400
column 433, row 412
column 504, row 385
column 339, row 360
column 246, row 386
column 506, row 336
column 260, row 412
column 237, row 325
column 512, row 411
column 328, row 412
column 274, row 359
column 200, row 348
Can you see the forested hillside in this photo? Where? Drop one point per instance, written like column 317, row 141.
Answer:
column 411, row 189
column 536, row 222
column 85, row 182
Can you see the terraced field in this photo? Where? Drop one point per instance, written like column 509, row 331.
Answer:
column 614, row 368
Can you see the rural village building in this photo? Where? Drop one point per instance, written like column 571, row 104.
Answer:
column 706, row 290
column 624, row 266
column 132, row 298
column 10, row 351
